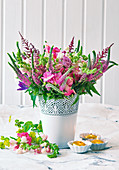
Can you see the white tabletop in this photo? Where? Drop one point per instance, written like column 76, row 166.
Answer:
column 101, row 119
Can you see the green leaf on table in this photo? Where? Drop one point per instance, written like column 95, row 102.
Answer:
column 26, row 127
column 13, row 138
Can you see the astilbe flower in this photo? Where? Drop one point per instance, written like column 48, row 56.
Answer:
column 30, row 49
column 71, row 45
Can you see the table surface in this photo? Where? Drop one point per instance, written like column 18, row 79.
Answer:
column 101, row 119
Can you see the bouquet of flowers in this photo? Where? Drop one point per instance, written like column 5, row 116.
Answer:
column 57, row 73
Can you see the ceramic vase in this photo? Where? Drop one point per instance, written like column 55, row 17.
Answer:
column 59, row 119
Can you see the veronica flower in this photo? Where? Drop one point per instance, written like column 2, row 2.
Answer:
column 22, row 86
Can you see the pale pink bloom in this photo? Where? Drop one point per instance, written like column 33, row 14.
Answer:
column 13, row 142
column 70, row 82
column 69, row 91
column 23, row 139
column 20, row 151
column 43, row 144
column 48, row 149
column 43, row 150
column 43, row 136
column 48, row 88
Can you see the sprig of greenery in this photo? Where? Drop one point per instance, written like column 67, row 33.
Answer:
column 34, row 132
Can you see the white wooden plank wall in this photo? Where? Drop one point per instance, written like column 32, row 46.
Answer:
column 94, row 22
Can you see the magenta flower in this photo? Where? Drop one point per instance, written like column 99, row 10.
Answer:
column 22, row 134
column 48, row 77
column 47, row 48
column 25, row 134
column 16, row 147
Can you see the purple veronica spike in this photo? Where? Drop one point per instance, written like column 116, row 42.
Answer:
column 22, row 86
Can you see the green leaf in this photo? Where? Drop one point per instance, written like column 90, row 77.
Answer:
column 13, row 62
column 81, row 50
column 108, row 58
column 65, row 80
column 76, row 100
column 14, row 56
column 13, row 138
column 50, row 57
column 110, row 66
column 26, row 127
column 54, row 88
column 67, row 72
column 89, row 62
column 54, row 155
column 113, row 63
column 94, row 56
column 78, row 46
column 13, row 68
column 40, row 127
column 88, row 90
column 94, row 89
column 17, row 44
column 32, row 60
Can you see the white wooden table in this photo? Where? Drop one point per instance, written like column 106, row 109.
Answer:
column 101, row 119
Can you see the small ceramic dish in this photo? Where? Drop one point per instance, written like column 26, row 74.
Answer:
column 84, row 136
column 97, row 147
column 79, row 149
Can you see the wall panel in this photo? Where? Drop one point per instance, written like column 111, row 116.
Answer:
column 32, row 29
column 11, row 26
column 93, row 36
column 1, row 14
column 111, row 86
column 53, row 22
column 73, row 21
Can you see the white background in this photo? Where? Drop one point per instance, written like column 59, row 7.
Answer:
column 94, row 22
